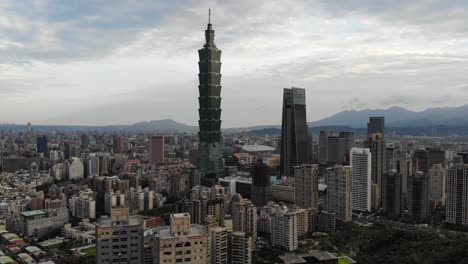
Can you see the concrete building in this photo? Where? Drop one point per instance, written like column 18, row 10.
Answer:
column 306, row 186
column 244, row 216
column 284, row 229
column 360, row 160
column 457, row 193
column 206, row 201
column 40, row 224
column 82, row 206
column 283, row 192
column 339, row 192
column 119, row 239
column 180, row 242
column 93, row 166
column 76, row 169
column 156, row 149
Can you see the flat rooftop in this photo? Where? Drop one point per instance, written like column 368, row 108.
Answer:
column 33, row 213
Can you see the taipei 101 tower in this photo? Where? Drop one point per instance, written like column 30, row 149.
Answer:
column 210, row 158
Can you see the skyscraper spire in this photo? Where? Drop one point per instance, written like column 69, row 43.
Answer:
column 209, row 33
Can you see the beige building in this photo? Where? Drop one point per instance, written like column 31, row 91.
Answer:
column 339, row 192
column 306, row 185
column 244, row 216
column 181, row 242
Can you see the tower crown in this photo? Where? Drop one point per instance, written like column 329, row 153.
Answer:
column 209, row 33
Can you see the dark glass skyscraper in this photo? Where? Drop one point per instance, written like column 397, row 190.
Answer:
column 210, row 159
column 295, row 137
column 41, row 143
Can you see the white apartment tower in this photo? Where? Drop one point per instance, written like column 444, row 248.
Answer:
column 361, row 159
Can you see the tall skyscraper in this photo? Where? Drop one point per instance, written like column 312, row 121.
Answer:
column 378, row 150
column 457, row 193
column 348, row 143
column 339, row 192
column 210, row 157
column 294, row 132
column 156, row 149
column 244, row 216
column 306, row 185
column 361, row 159
column 376, row 125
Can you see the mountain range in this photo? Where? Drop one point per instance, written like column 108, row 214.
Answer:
column 399, row 117
column 395, row 117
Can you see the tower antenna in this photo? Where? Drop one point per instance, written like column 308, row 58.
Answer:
column 209, row 15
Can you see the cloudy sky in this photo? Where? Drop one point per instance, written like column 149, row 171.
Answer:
column 124, row 61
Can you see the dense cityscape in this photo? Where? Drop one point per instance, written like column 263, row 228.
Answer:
column 293, row 195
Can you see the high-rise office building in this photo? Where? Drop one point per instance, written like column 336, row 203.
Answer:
column 156, row 149
column 323, row 146
column 93, row 166
column 210, row 158
column 118, row 144
column 67, row 150
column 457, row 193
column 391, row 193
column 75, row 169
column 360, row 161
column 42, row 146
column 180, row 242
column 295, row 135
column 261, row 184
column 437, row 185
column 378, row 151
column 348, row 143
column 84, row 141
column 119, row 239
column 376, row 125
column 336, row 149
column 425, row 158
column 306, row 185
column 339, row 192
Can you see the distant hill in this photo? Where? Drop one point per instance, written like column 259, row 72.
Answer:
column 164, row 125
column 399, row 117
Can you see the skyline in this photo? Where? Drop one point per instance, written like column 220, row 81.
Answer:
column 346, row 55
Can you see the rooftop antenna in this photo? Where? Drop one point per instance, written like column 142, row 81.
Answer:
column 209, row 15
